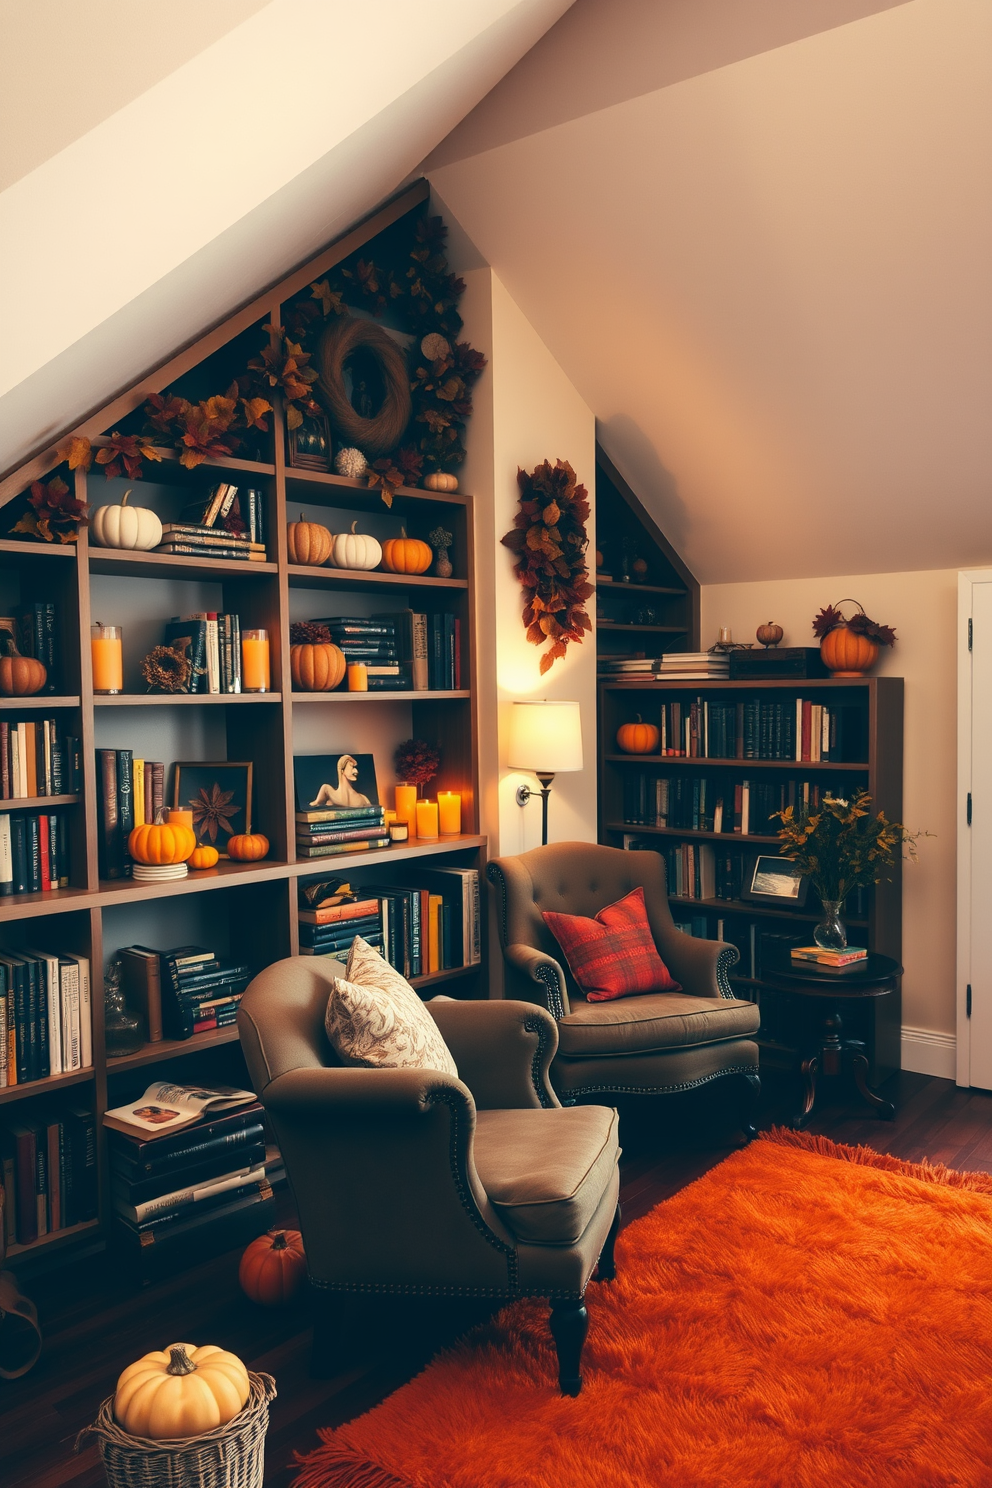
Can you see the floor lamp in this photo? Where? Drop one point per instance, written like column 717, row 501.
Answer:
column 546, row 740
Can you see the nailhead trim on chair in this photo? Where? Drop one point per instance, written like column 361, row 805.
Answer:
column 552, row 987
column 737, row 1069
column 727, row 958
column 495, row 877
column 536, row 1025
column 400, row 1289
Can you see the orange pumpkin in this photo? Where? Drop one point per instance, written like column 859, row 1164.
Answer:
column 407, row 555
column 21, row 676
column 316, row 668
column 309, row 543
column 638, row 738
column 204, row 856
column 846, row 653
column 273, row 1268
column 247, row 847
column 161, row 842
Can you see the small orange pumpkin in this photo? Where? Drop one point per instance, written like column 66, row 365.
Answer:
column 638, row 737
column 161, row 842
column 204, row 856
column 316, row 668
column 309, row 543
column 406, row 555
column 21, row 676
column 273, row 1268
column 846, row 653
column 247, row 847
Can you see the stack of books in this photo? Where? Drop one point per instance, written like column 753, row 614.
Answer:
column 815, row 955
column 325, row 832
column 329, row 931
column 49, row 1172
column 372, row 639
column 187, row 1163
column 627, row 668
column 34, row 852
column 181, row 992
column 45, row 1016
column 211, row 643
column 714, row 665
column 37, row 758
column 228, row 525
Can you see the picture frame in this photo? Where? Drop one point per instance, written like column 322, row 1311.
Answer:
column 219, row 795
column 329, row 780
column 775, row 880
column 310, row 446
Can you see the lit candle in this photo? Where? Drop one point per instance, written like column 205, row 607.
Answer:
column 107, row 651
column 449, row 807
column 255, row 675
column 358, row 676
column 406, row 804
column 427, row 819
column 398, row 831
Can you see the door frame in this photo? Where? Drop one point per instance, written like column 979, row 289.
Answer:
column 967, row 579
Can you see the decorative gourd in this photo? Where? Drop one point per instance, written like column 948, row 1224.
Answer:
column 21, row 676
column 355, row 549
column 273, row 1268
column 126, row 526
column 247, row 847
column 204, row 856
column 316, row 668
column 162, row 842
column 845, row 652
column 441, row 480
column 309, row 543
column 180, row 1391
column 769, row 634
column 406, row 555
column 638, row 738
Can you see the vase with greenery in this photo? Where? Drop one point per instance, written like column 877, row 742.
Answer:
column 841, row 847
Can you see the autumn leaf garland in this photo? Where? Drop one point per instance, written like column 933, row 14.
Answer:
column 549, row 540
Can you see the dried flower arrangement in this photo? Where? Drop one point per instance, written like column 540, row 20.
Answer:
column 417, row 762
column 167, row 669
column 832, row 618
column 307, row 633
column 841, row 846
column 550, row 541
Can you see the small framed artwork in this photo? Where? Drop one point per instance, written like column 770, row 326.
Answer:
column 310, row 444
column 334, row 781
column 774, row 880
column 219, row 796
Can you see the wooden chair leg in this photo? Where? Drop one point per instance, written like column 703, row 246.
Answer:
column 606, row 1270
column 748, row 1106
column 569, row 1325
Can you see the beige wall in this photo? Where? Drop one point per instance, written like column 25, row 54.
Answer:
column 923, row 608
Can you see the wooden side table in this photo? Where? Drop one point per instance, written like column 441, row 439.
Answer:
column 876, row 976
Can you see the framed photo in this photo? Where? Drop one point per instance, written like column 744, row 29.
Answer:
column 310, row 444
column 219, row 796
column 775, row 880
column 325, row 781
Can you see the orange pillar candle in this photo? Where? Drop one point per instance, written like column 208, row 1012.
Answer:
column 427, row 819
column 255, row 674
column 406, row 805
column 107, row 651
column 449, row 808
column 180, row 818
column 358, row 676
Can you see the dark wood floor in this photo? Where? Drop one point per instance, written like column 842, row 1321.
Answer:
column 95, row 1323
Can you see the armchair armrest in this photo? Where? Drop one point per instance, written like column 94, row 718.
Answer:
column 539, row 978
column 702, row 966
column 503, row 1050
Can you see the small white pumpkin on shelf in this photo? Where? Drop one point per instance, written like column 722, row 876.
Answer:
column 126, row 526
column 355, row 549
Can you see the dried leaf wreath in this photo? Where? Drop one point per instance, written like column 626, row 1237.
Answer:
column 549, row 539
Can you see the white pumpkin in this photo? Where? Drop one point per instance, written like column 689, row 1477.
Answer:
column 355, row 550
column 126, row 526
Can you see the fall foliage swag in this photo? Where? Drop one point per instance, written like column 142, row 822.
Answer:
column 549, row 540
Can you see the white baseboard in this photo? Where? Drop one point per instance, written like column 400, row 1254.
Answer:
column 928, row 1053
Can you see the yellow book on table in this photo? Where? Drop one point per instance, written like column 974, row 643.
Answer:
column 138, row 791
column 434, row 933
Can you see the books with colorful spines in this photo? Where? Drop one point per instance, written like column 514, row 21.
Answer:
column 165, row 1108
column 310, row 838
column 339, row 813
column 142, row 1156
column 332, row 849
column 460, row 888
column 816, row 954
column 335, row 913
column 373, row 939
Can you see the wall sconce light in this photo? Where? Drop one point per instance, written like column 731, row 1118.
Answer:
column 546, row 740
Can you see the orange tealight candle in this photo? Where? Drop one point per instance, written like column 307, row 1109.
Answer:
column 406, row 805
column 449, row 807
column 255, row 675
column 107, row 651
column 427, row 819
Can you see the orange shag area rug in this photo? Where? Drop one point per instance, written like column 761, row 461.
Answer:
column 805, row 1315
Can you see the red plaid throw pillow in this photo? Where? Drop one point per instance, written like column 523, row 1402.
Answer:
column 613, row 955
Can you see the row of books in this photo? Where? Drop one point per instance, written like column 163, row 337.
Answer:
column 708, row 871
column 326, row 833
column 34, row 631
column 46, row 1017
column 795, row 729
column 229, row 524
column 37, row 758
column 211, row 642
column 403, row 650
column 182, row 991
column 130, row 792
column 428, row 926
column 701, row 803
column 49, row 1171
column 34, row 852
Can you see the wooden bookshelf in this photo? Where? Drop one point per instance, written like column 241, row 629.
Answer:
column 252, row 906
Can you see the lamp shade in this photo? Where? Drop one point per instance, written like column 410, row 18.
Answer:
column 545, row 738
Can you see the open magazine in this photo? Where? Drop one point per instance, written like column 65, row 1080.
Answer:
column 166, row 1108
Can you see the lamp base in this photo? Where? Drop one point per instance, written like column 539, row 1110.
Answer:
column 524, row 793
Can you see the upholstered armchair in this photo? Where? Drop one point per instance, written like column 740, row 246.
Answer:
column 410, row 1181
column 655, row 1043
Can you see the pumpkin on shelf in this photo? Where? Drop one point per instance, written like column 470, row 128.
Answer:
column 309, row 543
column 247, row 847
column 20, row 676
column 273, row 1268
column 638, row 737
column 315, row 663
column 355, row 549
column 441, row 480
column 180, row 1391
column 406, row 555
column 769, row 634
column 204, row 856
column 849, row 648
column 161, row 842
column 124, row 526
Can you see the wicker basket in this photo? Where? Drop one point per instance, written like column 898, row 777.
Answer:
column 230, row 1456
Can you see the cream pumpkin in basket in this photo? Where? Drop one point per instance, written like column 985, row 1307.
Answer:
column 180, row 1391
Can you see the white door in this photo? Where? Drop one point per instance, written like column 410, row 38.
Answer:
column 974, row 977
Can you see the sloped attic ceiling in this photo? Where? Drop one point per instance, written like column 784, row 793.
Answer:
column 757, row 237
column 188, row 155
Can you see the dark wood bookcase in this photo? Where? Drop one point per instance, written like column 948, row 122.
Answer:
column 877, row 702
column 247, row 907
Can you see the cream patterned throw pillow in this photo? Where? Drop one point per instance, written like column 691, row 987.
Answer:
column 375, row 1019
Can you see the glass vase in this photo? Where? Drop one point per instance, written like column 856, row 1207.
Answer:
column 830, row 934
